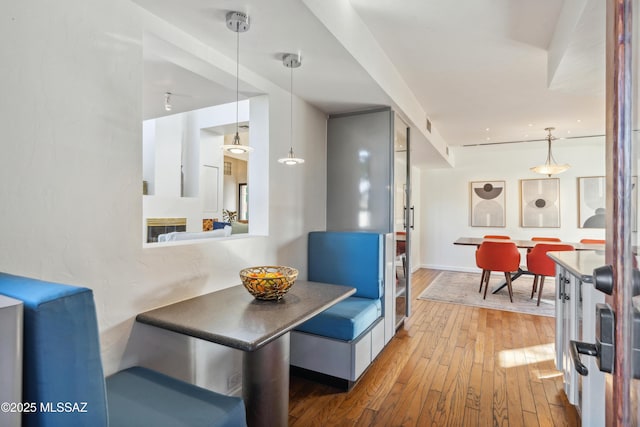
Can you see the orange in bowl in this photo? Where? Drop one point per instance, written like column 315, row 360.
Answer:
column 268, row 282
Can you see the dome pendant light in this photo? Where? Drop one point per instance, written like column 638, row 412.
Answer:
column 237, row 22
column 550, row 167
column 291, row 61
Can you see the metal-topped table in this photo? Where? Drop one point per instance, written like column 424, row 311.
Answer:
column 233, row 318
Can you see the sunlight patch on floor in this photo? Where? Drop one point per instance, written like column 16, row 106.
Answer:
column 546, row 374
column 526, row 355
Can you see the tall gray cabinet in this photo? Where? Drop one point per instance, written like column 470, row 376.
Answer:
column 368, row 189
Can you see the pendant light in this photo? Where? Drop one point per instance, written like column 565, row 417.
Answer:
column 550, row 167
column 237, row 22
column 291, row 61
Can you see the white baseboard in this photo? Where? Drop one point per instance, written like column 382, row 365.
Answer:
column 451, row 268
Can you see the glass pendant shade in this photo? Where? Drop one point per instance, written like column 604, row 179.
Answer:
column 291, row 160
column 550, row 167
column 237, row 22
column 236, row 147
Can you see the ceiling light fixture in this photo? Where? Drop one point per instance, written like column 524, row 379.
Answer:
column 550, row 167
column 237, row 22
column 167, row 101
column 291, row 61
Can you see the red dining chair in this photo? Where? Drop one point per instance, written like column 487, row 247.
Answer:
column 545, row 239
column 497, row 256
column 541, row 266
column 491, row 236
column 593, row 241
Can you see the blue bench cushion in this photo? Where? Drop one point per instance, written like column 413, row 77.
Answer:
column 61, row 351
column 141, row 397
column 345, row 320
column 348, row 258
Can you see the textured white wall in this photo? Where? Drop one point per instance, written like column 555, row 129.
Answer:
column 71, row 173
column 445, row 196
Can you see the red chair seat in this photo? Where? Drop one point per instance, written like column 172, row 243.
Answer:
column 593, row 241
column 496, row 236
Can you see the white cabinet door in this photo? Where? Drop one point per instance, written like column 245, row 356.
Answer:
column 593, row 386
column 560, row 274
column 571, row 311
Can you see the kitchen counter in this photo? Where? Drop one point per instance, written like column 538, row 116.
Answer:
column 579, row 263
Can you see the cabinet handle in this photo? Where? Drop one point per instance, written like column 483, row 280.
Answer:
column 413, row 217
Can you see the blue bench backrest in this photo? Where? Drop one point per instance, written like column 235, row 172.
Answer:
column 348, row 258
column 61, row 353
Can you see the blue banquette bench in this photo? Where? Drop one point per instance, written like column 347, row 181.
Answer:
column 343, row 340
column 63, row 378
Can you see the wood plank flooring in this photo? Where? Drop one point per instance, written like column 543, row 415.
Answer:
column 451, row 365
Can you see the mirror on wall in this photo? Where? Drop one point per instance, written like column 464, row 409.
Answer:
column 192, row 189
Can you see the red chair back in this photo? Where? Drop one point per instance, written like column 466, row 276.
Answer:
column 545, row 239
column 539, row 263
column 496, row 236
column 498, row 256
column 593, row 241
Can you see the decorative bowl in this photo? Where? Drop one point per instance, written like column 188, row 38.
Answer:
column 268, row 282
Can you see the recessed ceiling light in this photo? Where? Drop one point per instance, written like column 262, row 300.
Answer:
column 579, row 121
column 488, row 139
column 487, row 129
column 530, row 124
column 568, row 131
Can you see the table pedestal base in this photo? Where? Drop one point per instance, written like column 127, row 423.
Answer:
column 265, row 384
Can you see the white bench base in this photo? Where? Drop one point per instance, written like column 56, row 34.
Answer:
column 341, row 359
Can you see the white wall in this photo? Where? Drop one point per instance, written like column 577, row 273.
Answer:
column 71, row 173
column 445, row 196
column 416, row 203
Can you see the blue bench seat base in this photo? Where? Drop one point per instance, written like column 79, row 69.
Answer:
column 345, row 320
column 142, row 397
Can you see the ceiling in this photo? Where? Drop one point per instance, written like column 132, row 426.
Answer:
column 482, row 71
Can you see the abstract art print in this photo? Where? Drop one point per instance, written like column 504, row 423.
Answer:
column 540, row 203
column 592, row 201
column 488, row 204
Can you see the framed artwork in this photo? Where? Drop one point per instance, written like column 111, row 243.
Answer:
column 592, row 200
column 540, row 203
column 488, row 204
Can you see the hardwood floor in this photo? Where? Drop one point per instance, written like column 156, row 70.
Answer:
column 451, row 365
